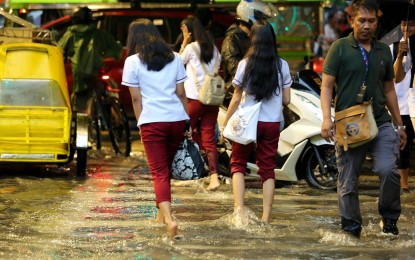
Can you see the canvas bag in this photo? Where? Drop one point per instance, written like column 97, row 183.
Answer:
column 212, row 90
column 356, row 125
column 187, row 163
column 242, row 125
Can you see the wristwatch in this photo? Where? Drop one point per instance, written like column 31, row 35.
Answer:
column 400, row 127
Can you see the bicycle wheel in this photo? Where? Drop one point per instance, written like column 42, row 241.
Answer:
column 94, row 127
column 119, row 128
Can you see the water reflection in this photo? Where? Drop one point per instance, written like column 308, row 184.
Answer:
column 110, row 215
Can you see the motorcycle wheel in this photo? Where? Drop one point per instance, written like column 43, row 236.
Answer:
column 314, row 175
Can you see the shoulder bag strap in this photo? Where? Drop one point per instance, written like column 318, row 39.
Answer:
column 217, row 62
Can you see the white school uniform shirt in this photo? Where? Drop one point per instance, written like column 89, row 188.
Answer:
column 405, row 94
column 192, row 61
column 271, row 109
column 158, row 89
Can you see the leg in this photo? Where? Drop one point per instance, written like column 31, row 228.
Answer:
column 239, row 159
column 268, row 191
column 267, row 146
column 405, row 154
column 155, row 137
column 195, row 112
column 385, row 151
column 238, row 190
column 208, row 130
column 349, row 164
column 172, row 145
column 165, row 209
column 404, row 173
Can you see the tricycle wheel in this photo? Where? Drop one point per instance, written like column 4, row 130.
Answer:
column 81, row 161
column 94, row 124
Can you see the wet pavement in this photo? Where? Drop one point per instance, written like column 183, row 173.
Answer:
column 48, row 213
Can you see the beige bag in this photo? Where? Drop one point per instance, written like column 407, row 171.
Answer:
column 355, row 125
column 212, row 90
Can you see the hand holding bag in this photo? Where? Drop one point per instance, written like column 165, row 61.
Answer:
column 242, row 125
column 188, row 164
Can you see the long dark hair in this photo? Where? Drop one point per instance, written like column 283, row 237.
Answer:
column 144, row 38
column 263, row 65
column 199, row 34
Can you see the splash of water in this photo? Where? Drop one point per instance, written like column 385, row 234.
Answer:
column 243, row 218
column 339, row 239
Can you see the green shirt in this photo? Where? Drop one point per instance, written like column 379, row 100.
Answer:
column 345, row 61
column 87, row 47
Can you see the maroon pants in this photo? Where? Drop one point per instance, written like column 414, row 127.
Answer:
column 161, row 141
column 205, row 117
column 268, row 134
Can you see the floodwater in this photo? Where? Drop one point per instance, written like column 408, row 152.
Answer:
column 47, row 213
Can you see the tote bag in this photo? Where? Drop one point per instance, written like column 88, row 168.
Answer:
column 188, row 164
column 242, row 126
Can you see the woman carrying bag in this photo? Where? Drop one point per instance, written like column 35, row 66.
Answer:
column 155, row 76
column 263, row 77
column 200, row 55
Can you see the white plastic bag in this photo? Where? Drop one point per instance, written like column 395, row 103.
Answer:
column 242, row 126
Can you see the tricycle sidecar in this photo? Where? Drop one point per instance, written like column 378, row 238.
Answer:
column 36, row 120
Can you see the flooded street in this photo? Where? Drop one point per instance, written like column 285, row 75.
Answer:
column 48, row 213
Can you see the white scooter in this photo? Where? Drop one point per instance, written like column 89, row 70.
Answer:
column 302, row 152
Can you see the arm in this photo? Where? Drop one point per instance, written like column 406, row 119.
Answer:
column 187, row 38
column 236, row 100
column 398, row 66
column 392, row 105
column 286, row 96
column 325, row 100
column 137, row 101
column 181, row 94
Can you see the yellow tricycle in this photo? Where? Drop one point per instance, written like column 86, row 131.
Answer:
column 36, row 120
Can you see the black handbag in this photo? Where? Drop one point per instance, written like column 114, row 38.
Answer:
column 188, row 164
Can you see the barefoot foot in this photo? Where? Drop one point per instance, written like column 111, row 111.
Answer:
column 214, row 182
column 159, row 217
column 172, row 230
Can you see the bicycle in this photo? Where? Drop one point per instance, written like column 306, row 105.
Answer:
column 107, row 113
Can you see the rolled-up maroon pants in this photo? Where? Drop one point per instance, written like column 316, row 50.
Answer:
column 268, row 134
column 161, row 141
column 206, row 116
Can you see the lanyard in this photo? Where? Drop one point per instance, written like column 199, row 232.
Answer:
column 365, row 60
column 361, row 94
